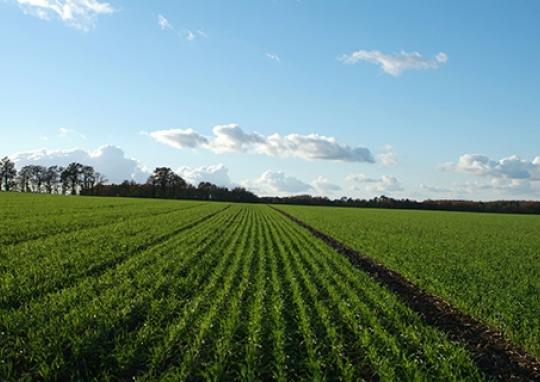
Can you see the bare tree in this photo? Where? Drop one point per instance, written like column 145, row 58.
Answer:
column 7, row 173
column 100, row 179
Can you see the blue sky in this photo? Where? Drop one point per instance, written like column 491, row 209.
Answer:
column 442, row 95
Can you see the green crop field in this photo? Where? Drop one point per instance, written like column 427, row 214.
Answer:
column 118, row 289
column 488, row 265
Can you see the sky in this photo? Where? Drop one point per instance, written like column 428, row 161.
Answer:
column 417, row 99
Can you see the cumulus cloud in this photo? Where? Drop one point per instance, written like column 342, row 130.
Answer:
column 395, row 64
column 277, row 183
column 108, row 160
column 512, row 167
column 232, row 139
column 324, row 186
column 383, row 184
column 388, row 156
column 81, row 14
column 217, row 174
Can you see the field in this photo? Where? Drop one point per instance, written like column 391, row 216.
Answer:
column 486, row 264
column 108, row 289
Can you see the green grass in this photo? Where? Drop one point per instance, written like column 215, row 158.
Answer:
column 173, row 290
column 486, row 264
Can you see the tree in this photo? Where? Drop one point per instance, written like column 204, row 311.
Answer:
column 160, row 180
column 88, row 178
column 71, row 177
column 39, row 174
column 25, row 178
column 7, row 173
column 51, row 179
column 176, row 185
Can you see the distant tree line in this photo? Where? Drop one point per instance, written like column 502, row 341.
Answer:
column 73, row 179
column 499, row 206
column 77, row 178
column 80, row 179
column 166, row 184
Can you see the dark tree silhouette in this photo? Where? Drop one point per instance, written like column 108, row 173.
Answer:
column 24, row 179
column 88, row 178
column 72, row 177
column 52, row 176
column 39, row 174
column 7, row 174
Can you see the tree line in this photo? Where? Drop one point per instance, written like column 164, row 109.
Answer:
column 77, row 178
column 499, row 206
column 74, row 178
column 166, row 184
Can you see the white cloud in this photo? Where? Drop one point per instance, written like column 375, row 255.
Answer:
column 388, row 156
column 383, row 184
column 232, row 139
column 108, row 160
column 273, row 57
column 164, row 23
column 505, row 177
column 395, row 64
column 277, row 183
column 81, row 14
column 179, row 138
column 188, row 34
column 512, row 167
column 496, row 188
column 217, row 174
column 324, row 186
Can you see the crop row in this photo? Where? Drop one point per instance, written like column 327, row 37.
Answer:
column 240, row 293
column 488, row 265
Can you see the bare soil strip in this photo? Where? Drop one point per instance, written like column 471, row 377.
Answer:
column 495, row 356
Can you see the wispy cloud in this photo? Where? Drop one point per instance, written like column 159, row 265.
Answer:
column 164, row 23
column 273, row 57
column 395, row 64
column 66, row 133
column 81, row 14
column 187, row 34
column 232, row 139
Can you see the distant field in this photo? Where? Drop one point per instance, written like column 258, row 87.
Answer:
column 486, row 264
column 121, row 288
